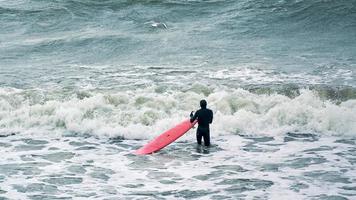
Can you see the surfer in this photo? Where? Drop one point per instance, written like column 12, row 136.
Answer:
column 205, row 117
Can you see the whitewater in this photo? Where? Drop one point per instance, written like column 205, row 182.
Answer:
column 83, row 84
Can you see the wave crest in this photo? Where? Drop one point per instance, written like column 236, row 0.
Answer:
column 143, row 114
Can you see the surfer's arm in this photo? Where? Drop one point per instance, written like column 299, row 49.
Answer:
column 194, row 117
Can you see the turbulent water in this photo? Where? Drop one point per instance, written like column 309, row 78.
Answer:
column 84, row 83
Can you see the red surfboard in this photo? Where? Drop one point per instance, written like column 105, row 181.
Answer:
column 166, row 138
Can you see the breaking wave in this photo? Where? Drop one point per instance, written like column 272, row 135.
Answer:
column 144, row 113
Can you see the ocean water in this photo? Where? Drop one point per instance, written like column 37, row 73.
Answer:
column 84, row 83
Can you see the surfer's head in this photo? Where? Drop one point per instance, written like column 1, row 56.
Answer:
column 203, row 103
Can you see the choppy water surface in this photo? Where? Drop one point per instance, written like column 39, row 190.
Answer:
column 304, row 166
column 85, row 83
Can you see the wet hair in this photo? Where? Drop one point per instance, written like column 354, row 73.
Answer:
column 203, row 103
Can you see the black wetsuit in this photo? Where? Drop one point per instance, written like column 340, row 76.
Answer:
column 205, row 117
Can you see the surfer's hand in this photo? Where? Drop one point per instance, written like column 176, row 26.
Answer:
column 191, row 114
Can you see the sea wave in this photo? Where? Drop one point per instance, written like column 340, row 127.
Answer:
column 196, row 32
column 144, row 113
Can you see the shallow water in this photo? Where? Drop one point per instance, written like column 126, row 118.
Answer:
column 235, row 167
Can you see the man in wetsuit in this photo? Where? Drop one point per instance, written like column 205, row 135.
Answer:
column 205, row 117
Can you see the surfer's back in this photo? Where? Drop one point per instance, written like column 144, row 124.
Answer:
column 204, row 116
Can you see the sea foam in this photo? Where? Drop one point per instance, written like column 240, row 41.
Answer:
column 144, row 113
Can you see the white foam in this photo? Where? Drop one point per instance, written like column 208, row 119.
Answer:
column 182, row 166
column 143, row 114
column 256, row 74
